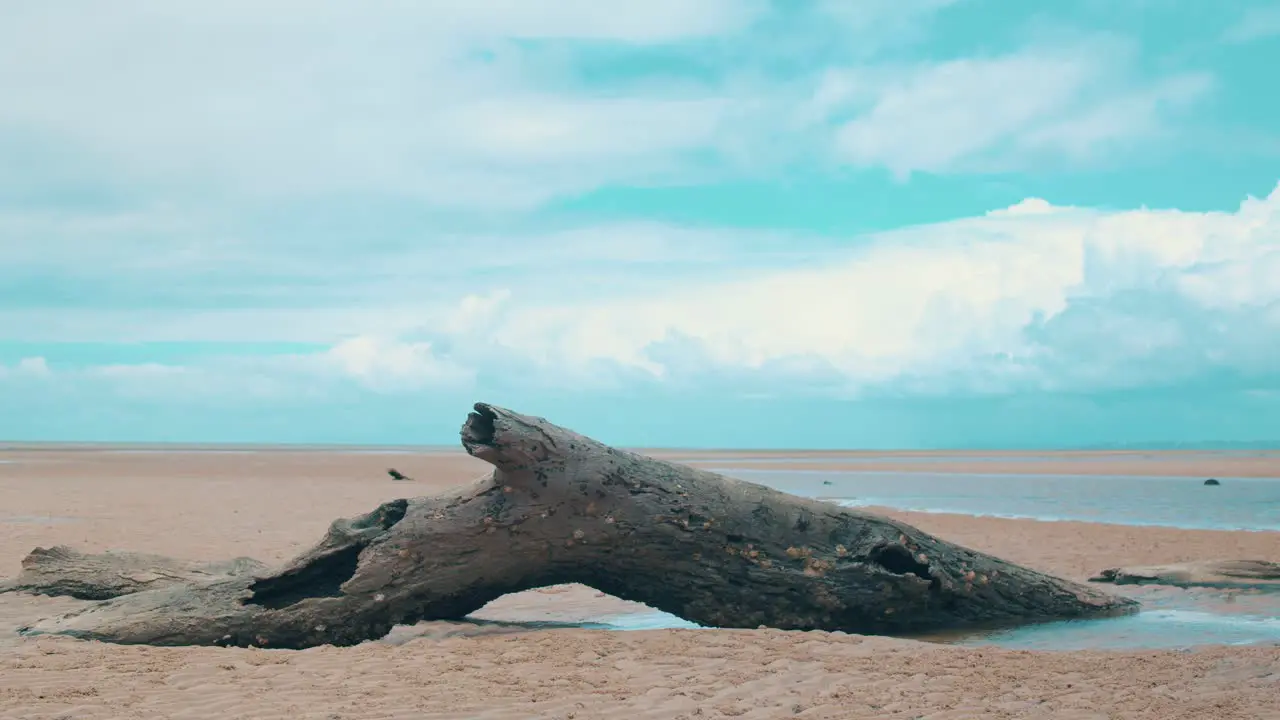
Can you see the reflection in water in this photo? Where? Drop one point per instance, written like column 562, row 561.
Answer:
column 646, row 621
column 1147, row 629
column 1150, row 629
column 1171, row 618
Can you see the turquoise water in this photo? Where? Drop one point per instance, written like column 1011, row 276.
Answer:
column 1163, row 629
column 1237, row 504
column 1001, row 458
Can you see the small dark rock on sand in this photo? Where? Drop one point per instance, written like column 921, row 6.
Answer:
column 397, row 475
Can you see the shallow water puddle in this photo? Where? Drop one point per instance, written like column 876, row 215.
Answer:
column 1149, row 629
column 1170, row 618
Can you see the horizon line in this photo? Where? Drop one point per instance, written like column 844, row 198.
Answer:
column 226, row 446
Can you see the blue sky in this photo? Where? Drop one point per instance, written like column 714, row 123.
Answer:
column 843, row 223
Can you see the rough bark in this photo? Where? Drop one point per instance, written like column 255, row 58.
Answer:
column 1236, row 574
column 65, row 571
column 560, row 507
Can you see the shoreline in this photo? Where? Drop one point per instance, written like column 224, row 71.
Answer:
column 1241, row 464
column 179, row 446
column 914, row 513
column 1192, row 466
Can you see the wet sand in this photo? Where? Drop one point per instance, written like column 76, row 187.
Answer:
column 271, row 504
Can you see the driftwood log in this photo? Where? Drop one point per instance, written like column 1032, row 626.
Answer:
column 1227, row 574
column 560, row 508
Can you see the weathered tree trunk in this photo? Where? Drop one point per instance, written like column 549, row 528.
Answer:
column 561, row 508
column 1237, row 574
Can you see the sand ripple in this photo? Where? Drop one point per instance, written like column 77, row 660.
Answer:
column 659, row 674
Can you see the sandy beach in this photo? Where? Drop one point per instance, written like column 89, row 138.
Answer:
column 268, row 505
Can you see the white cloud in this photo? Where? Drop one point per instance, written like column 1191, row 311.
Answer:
column 1029, row 206
column 1078, row 102
column 387, row 365
column 26, row 368
column 874, row 15
column 421, row 99
column 1033, row 296
column 187, row 111
column 1257, row 23
column 870, row 26
column 434, row 101
column 159, row 277
column 655, row 21
column 379, row 365
column 131, row 245
column 1030, row 297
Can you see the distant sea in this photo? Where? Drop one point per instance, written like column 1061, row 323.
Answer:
column 1180, row 502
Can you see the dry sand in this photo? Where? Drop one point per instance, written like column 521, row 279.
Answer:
column 268, row 505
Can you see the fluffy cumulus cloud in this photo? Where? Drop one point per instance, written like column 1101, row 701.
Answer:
column 1033, row 297
column 389, row 366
